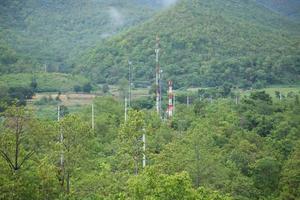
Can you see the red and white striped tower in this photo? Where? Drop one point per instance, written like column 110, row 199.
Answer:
column 171, row 96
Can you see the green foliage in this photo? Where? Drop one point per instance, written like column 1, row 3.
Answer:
column 75, row 134
column 33, row 85
column 105, row 88
column 24, row 170
column 87, row 88
column 142, row 103
column 14, row 95
column 77, row 88
column 266, row 175
column 262, row 96
column 130, row 138
column 152, row 185
column 291, row 177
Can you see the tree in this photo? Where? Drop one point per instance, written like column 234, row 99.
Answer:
column 105, row 88
column 261, row 95
column 20, row 94
column 266, row 175
column 226, row 89
column 73, row 146
column 123, row 86
column 15, row 139
column 57, row 98
column 33, row 85
column 87, row 88
column 130, row 137
column 64, row 111
column 22, row 141
column 77, row 88
column 153, row 185
column 290, row 184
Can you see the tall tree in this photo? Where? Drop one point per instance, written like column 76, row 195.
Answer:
column 16, row 138
column 76, row 135
column 131, row 139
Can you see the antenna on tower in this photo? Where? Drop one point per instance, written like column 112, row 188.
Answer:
column 158, row 77
column 174, row 103
column 93, row 117
column 61, row 139
column 144, row 148
column 171, row 98
column 130, row 82
column 125, row 109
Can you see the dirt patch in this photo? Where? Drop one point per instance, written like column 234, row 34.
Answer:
column 68, row 99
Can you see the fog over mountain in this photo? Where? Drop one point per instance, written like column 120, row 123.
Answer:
column 289, row 8
column 55, row 32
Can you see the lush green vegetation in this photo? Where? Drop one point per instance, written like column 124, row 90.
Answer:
column 210, row 151
column 204, row 43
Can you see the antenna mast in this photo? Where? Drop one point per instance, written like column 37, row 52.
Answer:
column 130, row 82
column 158, row 77
column 144, row 149
column 61, row 140
column 125, row 109
column 93, row 117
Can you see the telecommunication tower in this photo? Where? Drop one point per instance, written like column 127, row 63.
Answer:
column 158, row 77
column 170, row 110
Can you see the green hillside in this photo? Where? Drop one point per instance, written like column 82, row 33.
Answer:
column 54, row 32
column 12, row 61
column 204, row 43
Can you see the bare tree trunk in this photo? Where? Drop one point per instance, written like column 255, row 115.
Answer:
column 17, row 147
column 18, row 132
column 136, row 168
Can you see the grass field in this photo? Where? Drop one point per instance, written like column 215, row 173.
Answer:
column 46, row 81
column 284, row 90
column 73, row 101
column 135, row 92
column 50, row 111
column 78, row 102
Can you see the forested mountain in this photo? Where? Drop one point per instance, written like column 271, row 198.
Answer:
column 12, row 61
column 289, row 8
column 204, row 43
column 54, row 32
